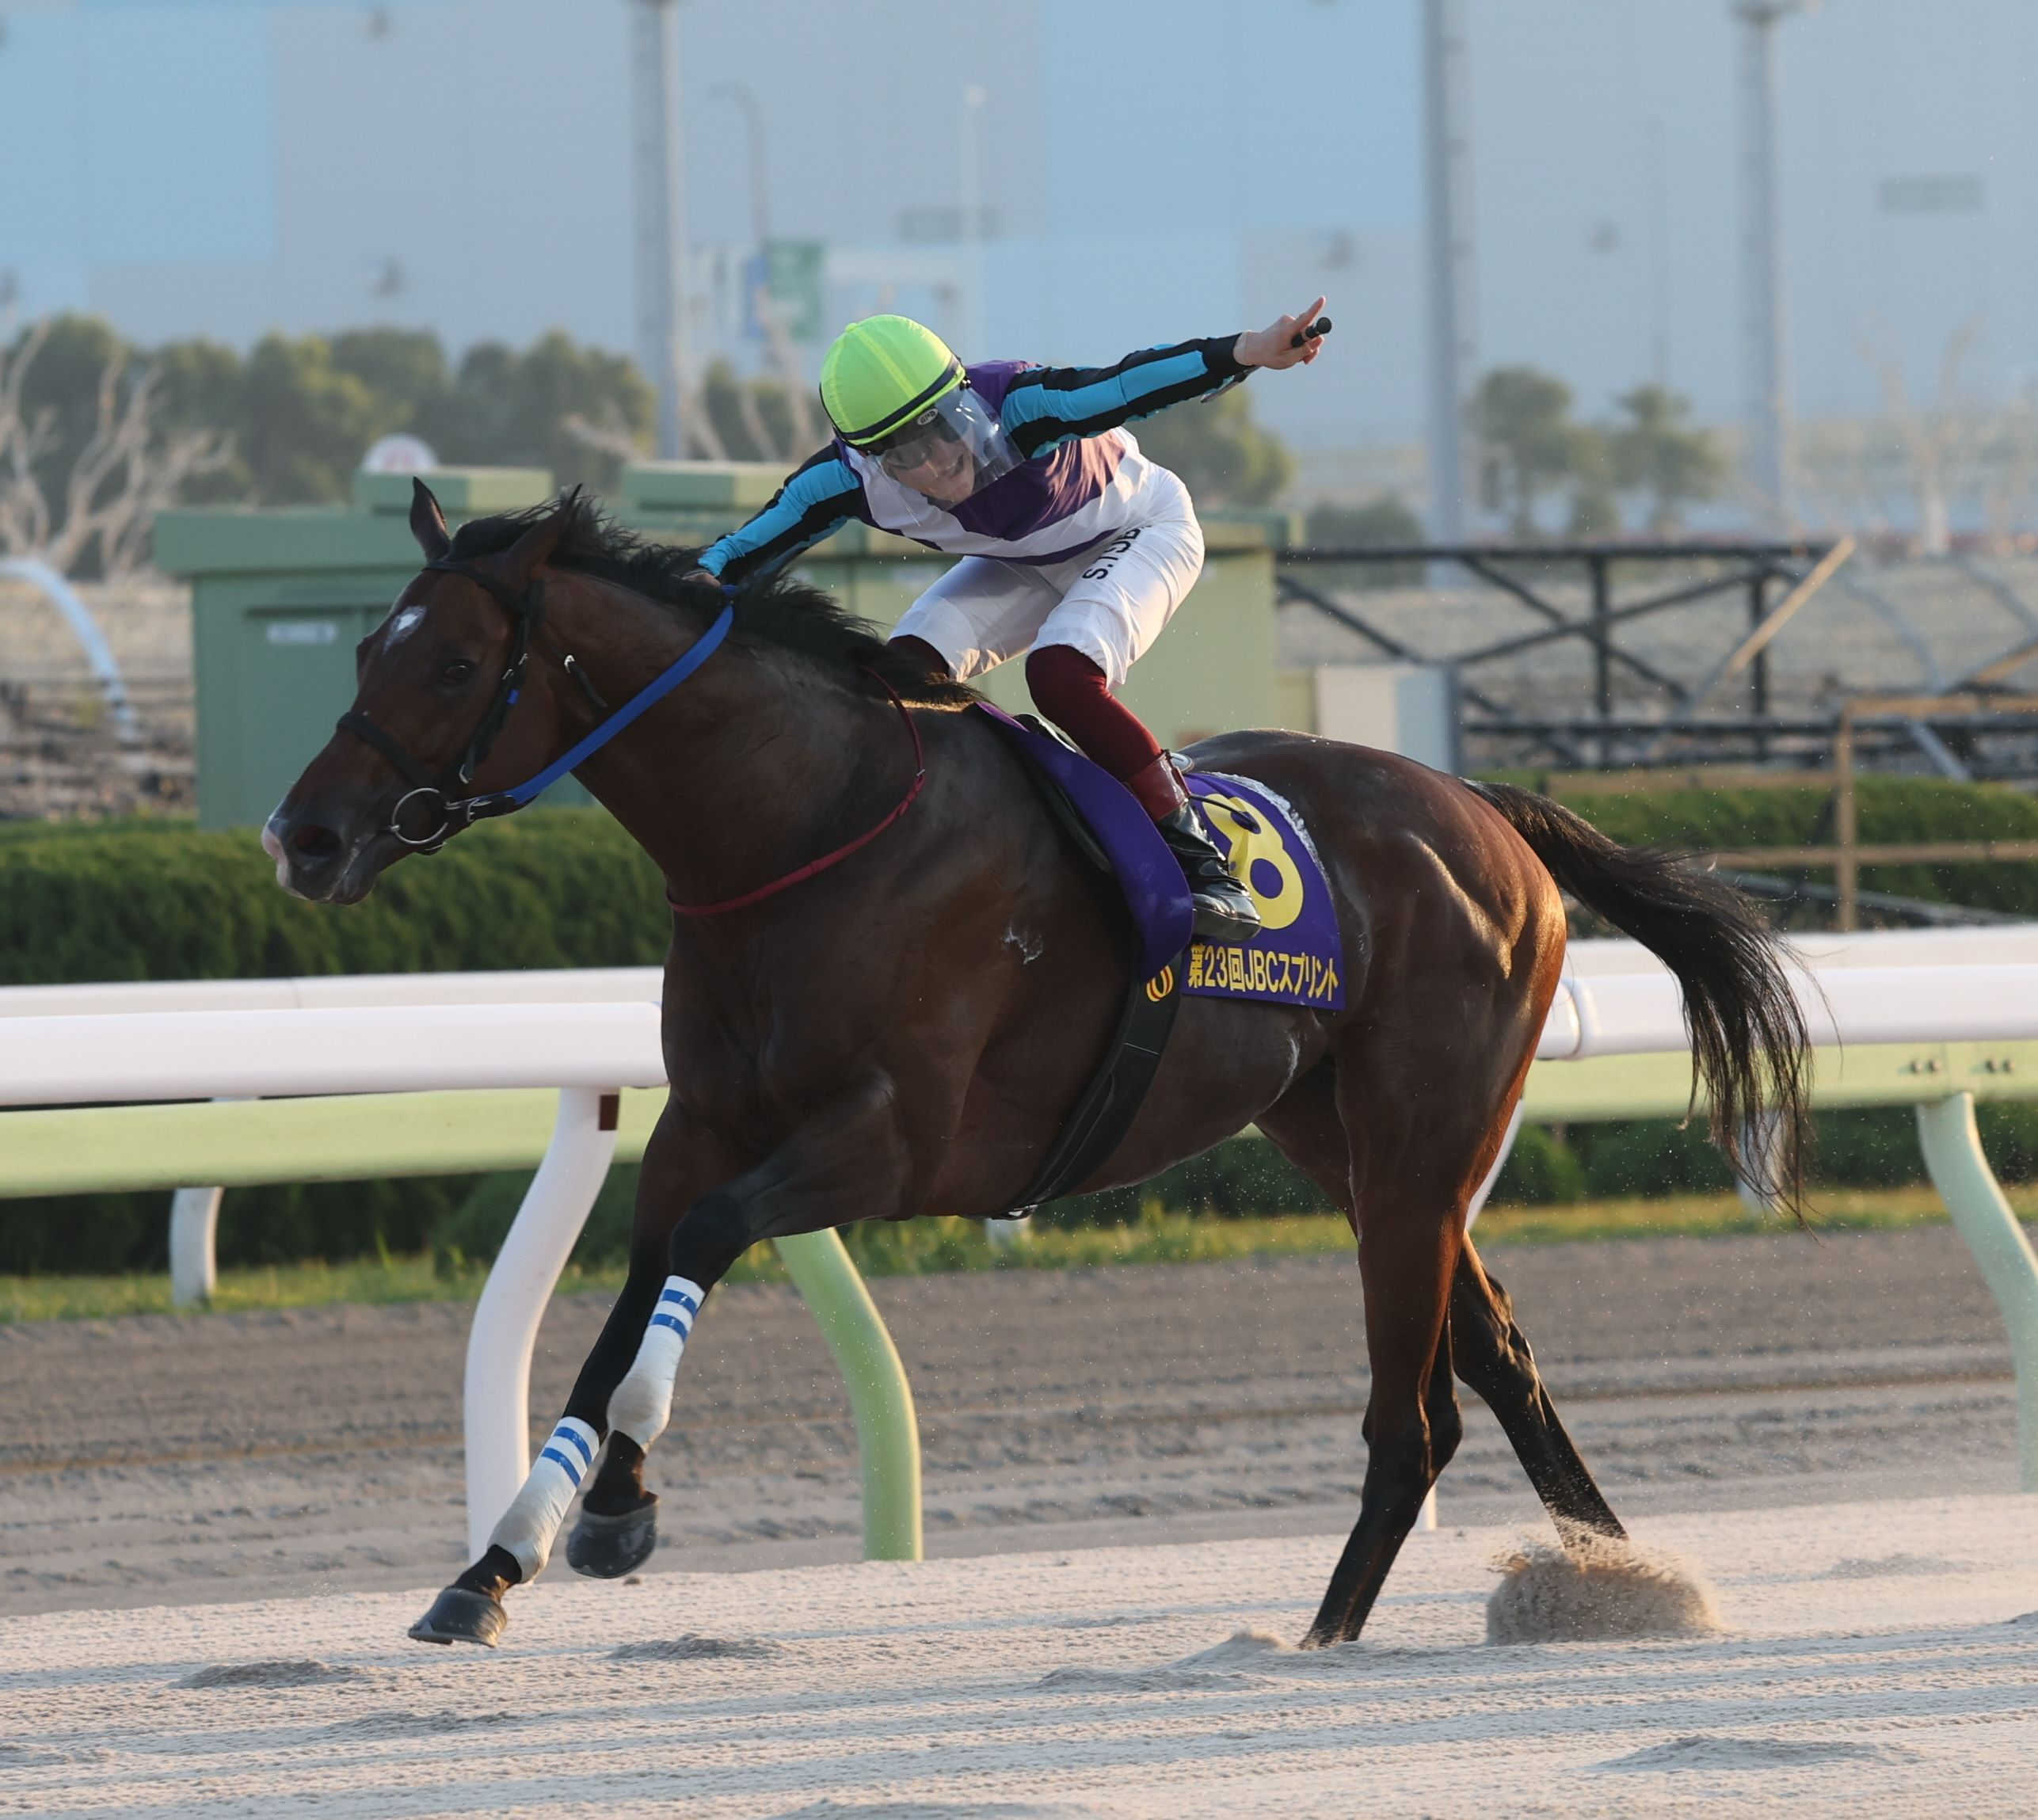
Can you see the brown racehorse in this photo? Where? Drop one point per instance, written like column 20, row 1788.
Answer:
column 903, row 1033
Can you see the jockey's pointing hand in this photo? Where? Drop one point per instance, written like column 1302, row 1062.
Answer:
column 1273, row 346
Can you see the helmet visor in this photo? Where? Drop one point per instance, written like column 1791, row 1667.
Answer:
column 954, row 448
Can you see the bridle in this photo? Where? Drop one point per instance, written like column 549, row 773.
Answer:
column 451, row 812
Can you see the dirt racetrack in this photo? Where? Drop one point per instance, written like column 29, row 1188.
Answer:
column 1877, row 1658
column 160, row 1460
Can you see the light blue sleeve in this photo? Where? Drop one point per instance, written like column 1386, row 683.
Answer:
column 1050, row 404
column 816, row 499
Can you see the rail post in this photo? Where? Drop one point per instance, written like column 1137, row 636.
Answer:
column 496, row 1405
column 1952, row 1143
column 194, row 1227
column 887, row 1429
column 1846, row 824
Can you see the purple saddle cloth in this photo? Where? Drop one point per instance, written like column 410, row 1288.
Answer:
column 1156, row 893
column 1297, row 958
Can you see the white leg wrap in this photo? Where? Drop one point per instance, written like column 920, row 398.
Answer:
column 532, row 1520
column 643, row 1403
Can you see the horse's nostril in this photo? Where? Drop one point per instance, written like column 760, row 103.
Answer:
column 312, row 842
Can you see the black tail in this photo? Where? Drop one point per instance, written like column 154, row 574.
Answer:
column 1747, row 1032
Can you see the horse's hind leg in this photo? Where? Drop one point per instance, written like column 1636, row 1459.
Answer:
column 1415, row 1161
column 1493, row 1357
column 1307, row 1128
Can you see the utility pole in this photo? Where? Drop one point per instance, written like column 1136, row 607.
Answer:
column 1659, row 288
column 1765, row 460
column 1447, row 183
column 659, row 188
column 746, row 98
column 969, row 184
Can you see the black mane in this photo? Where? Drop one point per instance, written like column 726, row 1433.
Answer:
column 769, row 610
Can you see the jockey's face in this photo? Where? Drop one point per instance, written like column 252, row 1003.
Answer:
column 935, row 463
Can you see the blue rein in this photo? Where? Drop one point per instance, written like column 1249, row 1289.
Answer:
column 653, row 692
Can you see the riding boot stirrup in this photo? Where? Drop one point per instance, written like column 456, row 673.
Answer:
column 1224, row 909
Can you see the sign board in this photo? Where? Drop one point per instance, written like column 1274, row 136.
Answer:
column 790, row 273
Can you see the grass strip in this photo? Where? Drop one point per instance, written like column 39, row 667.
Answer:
column 924, row 1247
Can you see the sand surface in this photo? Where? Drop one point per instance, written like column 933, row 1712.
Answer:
column 225, row 1457
column 1137, row 1479
column 1878, row 1659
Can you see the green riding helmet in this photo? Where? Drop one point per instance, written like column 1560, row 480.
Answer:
column 882, row 373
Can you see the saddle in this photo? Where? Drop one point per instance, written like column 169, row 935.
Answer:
column 1297, row 958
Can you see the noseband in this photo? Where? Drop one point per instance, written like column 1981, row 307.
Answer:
column 451, row 812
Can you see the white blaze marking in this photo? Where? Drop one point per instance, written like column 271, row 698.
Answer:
column 403, row 624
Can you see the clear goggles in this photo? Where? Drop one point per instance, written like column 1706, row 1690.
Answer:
column 929, row 453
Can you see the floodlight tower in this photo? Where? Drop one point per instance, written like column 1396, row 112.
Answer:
column 659, row 186
column 1765, row 460
column 1447, row 186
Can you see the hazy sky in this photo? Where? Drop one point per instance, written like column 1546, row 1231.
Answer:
column 1156, row 168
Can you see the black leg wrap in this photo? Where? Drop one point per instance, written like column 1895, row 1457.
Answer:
column 459, row 1615
column 608, row 1547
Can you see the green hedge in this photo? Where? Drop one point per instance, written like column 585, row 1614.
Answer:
column 1864, row 1147
column 1241, row 1178
column 161, row 901
column 567, row 887
column 1890, row 809
column 86, row 1235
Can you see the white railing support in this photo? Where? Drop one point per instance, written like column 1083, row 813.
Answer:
column 1952, row 1143
column 496, row 1414
column 194, row 1226
column 84, row 629
column 1480, row 1194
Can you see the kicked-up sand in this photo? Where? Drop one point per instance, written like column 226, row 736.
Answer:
column 1873, row 1657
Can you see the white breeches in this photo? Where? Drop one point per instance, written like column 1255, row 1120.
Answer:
column 1111, row 603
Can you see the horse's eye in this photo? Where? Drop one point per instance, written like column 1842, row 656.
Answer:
column 456, row 672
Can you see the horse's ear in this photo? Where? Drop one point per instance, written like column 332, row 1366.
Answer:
column 427, row 523
column 532, row 551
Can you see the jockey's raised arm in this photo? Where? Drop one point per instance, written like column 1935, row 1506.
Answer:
column 1076, row 549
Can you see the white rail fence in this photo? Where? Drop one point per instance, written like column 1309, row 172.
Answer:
column 590, row 1035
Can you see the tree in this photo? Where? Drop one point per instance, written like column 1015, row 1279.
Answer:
column 1595, row 505
column 202, row 385
column 520, row 409
column 755, row 419
column 1655, row 452
column 1527, row 444
column 83, row 469
column 405, row 369
column 1384, row 521
column 306, row 421
column 1222, row 456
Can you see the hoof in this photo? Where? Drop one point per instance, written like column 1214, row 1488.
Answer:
column 608, row 1547
column 460, row 1616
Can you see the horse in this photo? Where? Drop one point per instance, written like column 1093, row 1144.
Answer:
column 889, row 977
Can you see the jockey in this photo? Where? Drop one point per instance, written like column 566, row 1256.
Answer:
column 1074, row 548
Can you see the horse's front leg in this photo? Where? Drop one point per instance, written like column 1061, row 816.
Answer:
column 847, row 1161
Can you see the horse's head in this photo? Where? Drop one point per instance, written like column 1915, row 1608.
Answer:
column 431, row 729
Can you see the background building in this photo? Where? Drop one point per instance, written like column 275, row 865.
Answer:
column 1122, row 172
